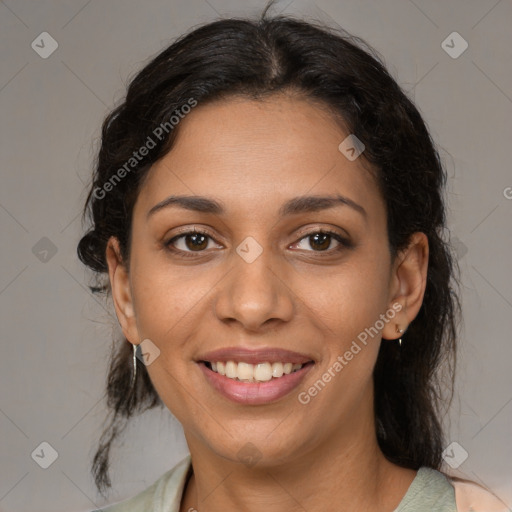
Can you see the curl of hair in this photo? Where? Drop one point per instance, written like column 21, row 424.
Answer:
column 344, row 75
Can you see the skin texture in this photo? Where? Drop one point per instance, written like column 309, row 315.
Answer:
column 252, row 156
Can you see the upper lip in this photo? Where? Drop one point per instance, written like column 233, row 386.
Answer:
column 254, row 356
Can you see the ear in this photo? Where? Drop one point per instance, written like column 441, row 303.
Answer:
column 121, row 291
column 407, row 284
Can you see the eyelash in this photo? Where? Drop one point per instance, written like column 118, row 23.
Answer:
column 344, row 242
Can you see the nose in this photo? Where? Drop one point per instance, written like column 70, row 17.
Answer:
column 254, row 295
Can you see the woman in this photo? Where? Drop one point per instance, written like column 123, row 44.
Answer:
column 267, row 204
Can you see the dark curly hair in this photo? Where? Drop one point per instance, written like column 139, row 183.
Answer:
column 257, row 58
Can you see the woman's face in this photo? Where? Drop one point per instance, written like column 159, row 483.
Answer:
column 260, row 277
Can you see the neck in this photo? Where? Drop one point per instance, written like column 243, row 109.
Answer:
column 346, row 472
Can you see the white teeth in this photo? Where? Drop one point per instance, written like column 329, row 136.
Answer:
column 277, row 369
column 245, row 371
column 261, row 372
column 231, row 370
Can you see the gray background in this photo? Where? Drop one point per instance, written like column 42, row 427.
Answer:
column 56, row 335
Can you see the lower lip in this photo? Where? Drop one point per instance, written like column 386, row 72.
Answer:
column 255, row 393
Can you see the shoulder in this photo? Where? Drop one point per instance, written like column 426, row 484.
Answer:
column 434, row 490
column 430, row 490
column 163, row 495
column 472, row 497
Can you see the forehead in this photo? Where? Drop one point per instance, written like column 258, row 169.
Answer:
column 257, row 154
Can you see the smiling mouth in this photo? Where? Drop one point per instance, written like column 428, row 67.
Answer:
column 260, row 372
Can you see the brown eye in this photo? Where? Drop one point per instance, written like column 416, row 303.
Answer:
column 191, row 241
column 320, row 241
column 196, row 242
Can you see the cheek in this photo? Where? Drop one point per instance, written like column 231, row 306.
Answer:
column 167, row 306
column 347, row 313
column 165, row 297
column 349, row 300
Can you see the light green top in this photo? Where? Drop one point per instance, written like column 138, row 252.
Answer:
column 429, row 491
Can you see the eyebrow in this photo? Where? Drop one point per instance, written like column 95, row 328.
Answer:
column 300, row 204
